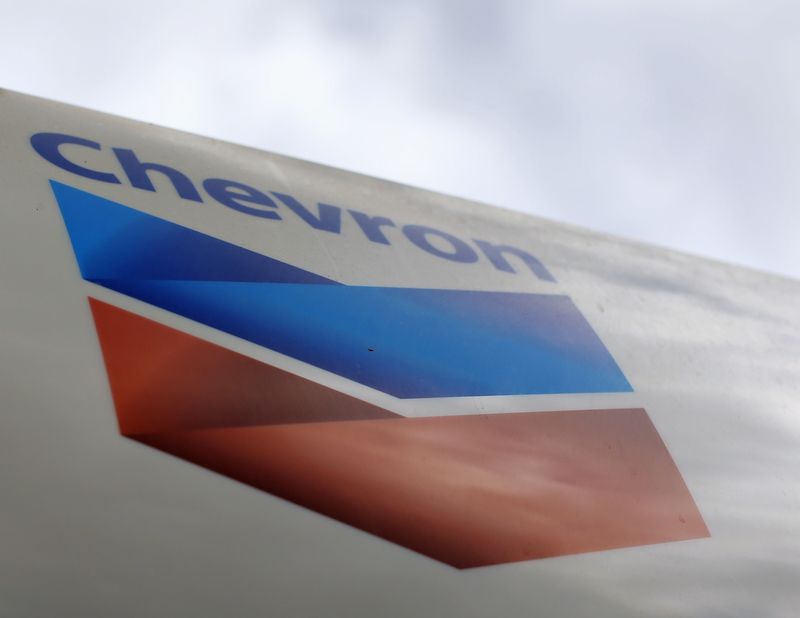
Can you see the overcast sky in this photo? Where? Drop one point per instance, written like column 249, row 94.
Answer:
column 668, row 121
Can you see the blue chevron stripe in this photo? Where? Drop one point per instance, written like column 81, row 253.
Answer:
column 408, row 342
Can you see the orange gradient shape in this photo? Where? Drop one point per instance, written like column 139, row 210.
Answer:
column 468, row 491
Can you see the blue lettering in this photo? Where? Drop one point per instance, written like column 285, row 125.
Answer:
column 462, row 252
column 136, row 171
column 329, row 218
column 48, row 144
column 371, row 226
column 231, row 194
column 246, row 199
column 496, row 256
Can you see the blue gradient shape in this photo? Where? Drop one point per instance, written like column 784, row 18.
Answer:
column 408, row 342
column 112, row 241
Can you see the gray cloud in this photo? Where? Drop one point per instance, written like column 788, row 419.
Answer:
column 676, row 123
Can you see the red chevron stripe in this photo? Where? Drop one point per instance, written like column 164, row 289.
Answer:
column 466, row 490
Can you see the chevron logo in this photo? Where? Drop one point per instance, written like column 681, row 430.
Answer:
column 467, row 490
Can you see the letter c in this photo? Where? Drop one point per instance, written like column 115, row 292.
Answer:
column 47, row 145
